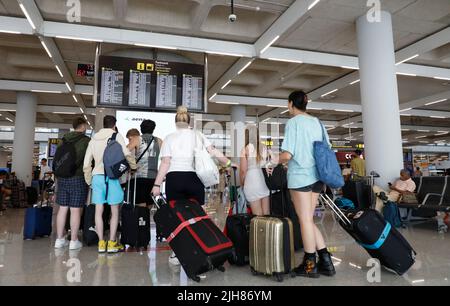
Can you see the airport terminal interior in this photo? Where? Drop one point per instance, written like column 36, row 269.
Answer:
column 376, row 74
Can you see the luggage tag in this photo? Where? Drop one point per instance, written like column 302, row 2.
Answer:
column 142, row 221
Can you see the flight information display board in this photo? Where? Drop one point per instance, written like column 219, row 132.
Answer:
column 150, row 84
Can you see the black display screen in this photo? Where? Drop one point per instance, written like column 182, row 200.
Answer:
column 149, row 84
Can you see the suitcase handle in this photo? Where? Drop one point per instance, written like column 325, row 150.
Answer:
column 337, row 211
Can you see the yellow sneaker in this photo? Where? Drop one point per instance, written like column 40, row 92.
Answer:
column 114, row 247
column 102, row 246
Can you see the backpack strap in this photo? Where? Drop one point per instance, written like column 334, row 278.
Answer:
column 324, row 138
column 113, row 137
column 145, row 151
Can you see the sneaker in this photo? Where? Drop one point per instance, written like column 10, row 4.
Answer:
column 61, row 243
column 102, row 246
column 173, row 260
column 114, row 247
column 75, row 245
column 325, row 265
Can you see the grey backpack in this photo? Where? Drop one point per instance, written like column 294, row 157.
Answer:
column 114, row 160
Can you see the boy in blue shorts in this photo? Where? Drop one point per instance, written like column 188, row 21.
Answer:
column 100, row 187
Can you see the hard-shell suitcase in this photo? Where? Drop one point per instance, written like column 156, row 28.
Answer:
column 378, row 237
column 135, row 222
column 197, row 242
column 38, row 222
column 90, row 236
column 272, row 247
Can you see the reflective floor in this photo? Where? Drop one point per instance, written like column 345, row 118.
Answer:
column 37, row 263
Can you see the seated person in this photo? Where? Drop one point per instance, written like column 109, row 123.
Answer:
column 403, row 185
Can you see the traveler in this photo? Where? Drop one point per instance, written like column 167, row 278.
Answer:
column 45, row 174
column 177, row 164
column 5, row 189
column 358, row 164
column 253, row 157
column 418, row 172
column 72, row 190
column 105, row 189
column 347, row 172
column 297, row 150
column 402, row 186
column 147, row 148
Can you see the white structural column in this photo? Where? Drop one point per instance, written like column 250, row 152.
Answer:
column 22, row 158
column 238, row 114
column 379, row 98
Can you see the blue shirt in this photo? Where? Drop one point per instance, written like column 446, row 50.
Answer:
column 300, row 134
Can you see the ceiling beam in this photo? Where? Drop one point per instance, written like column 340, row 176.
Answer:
column 11, row 107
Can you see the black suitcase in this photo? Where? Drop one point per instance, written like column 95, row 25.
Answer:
column 381, row 240
column 135, row 221
column 32, row 196
column 281, row 205
column 90, row 236
column 197, row 242
column 238, row 230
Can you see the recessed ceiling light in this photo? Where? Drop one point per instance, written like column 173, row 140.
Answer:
column 245, row 67
column 407, row 59
column 213, row 96
column 224, row 53
column 224, row 102
column 354, row 82
column 10, row 32
column 270, row 44
column 285, row 60
column 68, row 86
column 407, row 74
column 46, row 91
column 438, row 101
column 344, row 110
column 59, row 71
column 155, row 46
column 330, row 92
column 441, row 78
column 226, row 84
column 80, row 38
column 313, row 4
column 25, row 12
column 350, row 67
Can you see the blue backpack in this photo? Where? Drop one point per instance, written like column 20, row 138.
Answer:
column 114, row 160
column 391, row 214
column 327, row 164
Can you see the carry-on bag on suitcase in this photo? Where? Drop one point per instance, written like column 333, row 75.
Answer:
column 272, row 247
column 237, row 228
column 197, row 242
column 135, row 222
column 38, row 222
column 378, row 237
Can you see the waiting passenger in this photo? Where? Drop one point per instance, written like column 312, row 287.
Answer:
column 147, row 148
column 72, row 192
column 303, row 181
column 253, row 157
column 402, row 186
column 105, row 190
column 177, row 164
column 358, row 164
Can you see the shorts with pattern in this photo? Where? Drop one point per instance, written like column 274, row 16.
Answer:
column 72, row 192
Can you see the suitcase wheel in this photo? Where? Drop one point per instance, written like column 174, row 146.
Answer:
column 254, row 272
column 196, row 278
column 221, row 268
column 279, row 277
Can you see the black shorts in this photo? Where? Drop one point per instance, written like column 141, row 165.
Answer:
column 143, row 191
column 317, row 187
column 184, row 185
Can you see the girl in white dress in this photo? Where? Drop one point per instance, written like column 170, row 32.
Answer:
column 253, row 157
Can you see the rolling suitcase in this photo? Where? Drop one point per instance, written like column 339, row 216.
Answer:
column 378, row 237
column 237, row 228
column 135, row 222
column 90, row 236
column 197, row 242
column 272, row 247
column 38, row 222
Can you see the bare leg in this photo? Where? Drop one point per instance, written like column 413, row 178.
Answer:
column 99, row 221
column 265, row 204
column 114, row 222
column 320, row 242
column 75, row 219
column 61, row 221
column 302, row 202
column 257, row 208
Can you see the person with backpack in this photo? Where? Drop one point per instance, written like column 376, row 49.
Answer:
column 72, row 190
column 147, row 148
column 112, row 159
column 301, row 132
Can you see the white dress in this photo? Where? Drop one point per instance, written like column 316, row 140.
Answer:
column 255, row 187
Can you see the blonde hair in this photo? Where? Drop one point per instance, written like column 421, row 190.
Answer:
column 182, row 115
column 133, row 132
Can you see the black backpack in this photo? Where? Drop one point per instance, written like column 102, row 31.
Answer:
column 65, row 160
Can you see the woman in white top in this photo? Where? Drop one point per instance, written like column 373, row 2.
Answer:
column 251, row 174
column 177, row 164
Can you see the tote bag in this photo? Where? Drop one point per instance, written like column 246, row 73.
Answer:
column 205, row 167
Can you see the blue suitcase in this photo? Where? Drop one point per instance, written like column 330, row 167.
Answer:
column 38, row 222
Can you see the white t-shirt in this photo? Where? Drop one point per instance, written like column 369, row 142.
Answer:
column 179, row 146
column 44, row 170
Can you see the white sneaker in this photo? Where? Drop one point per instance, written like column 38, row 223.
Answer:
column 61, row 243
column 75, row 245
column 173, row 260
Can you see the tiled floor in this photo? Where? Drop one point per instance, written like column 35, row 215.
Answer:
column 37, row 263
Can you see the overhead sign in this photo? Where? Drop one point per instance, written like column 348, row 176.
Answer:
column 85, row 70
column 53, row 144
